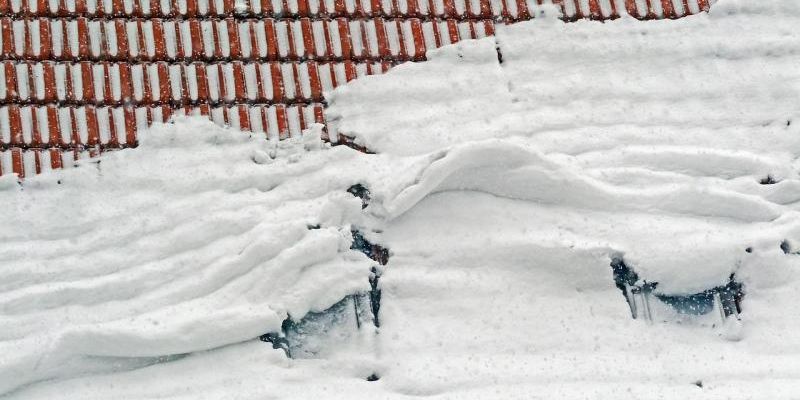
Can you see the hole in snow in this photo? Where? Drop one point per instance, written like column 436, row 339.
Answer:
column 788, row 248
column 316, row 331
column 769, row 180
column 640, row 295
column 374, row 251
column 361, row 192
column 380, row 255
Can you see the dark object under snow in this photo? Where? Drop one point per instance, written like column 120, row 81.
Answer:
column 306, row 337
column 639, row 294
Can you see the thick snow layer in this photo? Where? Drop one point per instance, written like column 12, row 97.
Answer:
column 668, row 123
column 197, row 240
column 502, row 191
column 589, row 85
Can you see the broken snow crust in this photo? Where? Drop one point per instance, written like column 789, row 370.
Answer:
column 501, row 189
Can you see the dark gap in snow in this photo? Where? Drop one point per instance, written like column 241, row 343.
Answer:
column 373, row 378
column 375, row 296
column 624, row 279
column 769, row 180
column 307, row 337
column 375, row 252
column 278, row 342
column 726, row 299
column 698, row 383
column 788, row 248
column 499, row 54
column 351, row 143
column 380, row 255
column 361, row 192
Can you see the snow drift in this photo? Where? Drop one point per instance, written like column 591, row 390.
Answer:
column 192, row 242
column 510, row 171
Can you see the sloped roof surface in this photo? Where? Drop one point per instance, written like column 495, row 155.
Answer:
column 80, row 77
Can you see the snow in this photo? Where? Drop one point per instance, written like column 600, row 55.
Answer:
column 502, row 190
column 148, row 258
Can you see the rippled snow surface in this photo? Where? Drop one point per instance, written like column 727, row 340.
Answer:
column 502, row 190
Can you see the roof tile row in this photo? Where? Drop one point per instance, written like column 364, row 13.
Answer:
column 89, row 127
column 504, row 9
column 222, row 39
column 272, row 8
column 161, row 83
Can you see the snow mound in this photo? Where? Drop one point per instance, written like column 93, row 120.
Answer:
column 197, row 239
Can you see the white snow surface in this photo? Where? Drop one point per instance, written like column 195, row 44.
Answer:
column 501, row 189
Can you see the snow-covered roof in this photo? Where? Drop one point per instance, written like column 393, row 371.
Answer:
column 80, row 77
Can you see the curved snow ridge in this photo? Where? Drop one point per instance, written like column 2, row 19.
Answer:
column 688, row 232
column 692, row 161
column 522, row 172
column 677, row 140
column 195, row 240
